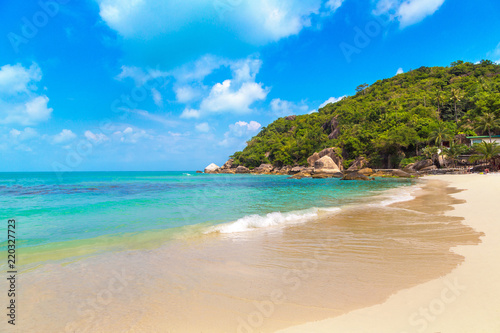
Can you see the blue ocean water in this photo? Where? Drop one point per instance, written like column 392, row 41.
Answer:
column 83, row 206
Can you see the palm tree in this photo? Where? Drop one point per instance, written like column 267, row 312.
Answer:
column 456, row 96
column 439, row 100
column 486, row 151
column 454, row 151
column 440, row 134
column 488, row 122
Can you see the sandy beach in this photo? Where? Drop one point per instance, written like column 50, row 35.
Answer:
column 465, row 300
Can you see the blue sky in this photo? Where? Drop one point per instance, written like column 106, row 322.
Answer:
column 179, row 84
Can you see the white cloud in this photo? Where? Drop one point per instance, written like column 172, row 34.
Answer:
column 239, row 130
column 332, row 100
column 333, row 5
column 263, row 21
column 203, row 127
column 400, row 71
column 408, row 12
column 14, row 133
column 141, row 76
column 386, row 6
column 225, row 97
column 130, row 135
column 186, row 94
column 235, row 95
column 157, row 97
column 26, row 134
column 258, row 21
column 246, row 69
column 65, row 136
column 190, row 113
column 28, row 113
column 16, row 78
column 283, row 108
column 19, row 104
column 95, row 137
column 242, row 128
column 414, row 11
column 198, row 70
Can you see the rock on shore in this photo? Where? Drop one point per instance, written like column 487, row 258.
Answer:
column 212, row 168
column 355, row 176
column 330, row 152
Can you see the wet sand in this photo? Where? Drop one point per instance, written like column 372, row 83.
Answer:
column 463, row 301
column 259, row 281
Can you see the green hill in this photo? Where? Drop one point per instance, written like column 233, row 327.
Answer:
column 387, row 121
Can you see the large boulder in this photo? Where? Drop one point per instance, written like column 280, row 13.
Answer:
column 325, row 162
column 429, row 168
column 322, row 175
column 391, row 173
column 263, row 168
column 365, row 171
column 308, row 170
column 230, row 171
column 355, row 176
column 410, row 168
column 228, row 164
column 296, row 169
column 359, row 163
column 242, row 169
column 401, row 173
column 330, row 152
column 212, row 168
column 312, row 159
column 285, row 170
column 338, row 174
column 422, row 164
column 332, row 126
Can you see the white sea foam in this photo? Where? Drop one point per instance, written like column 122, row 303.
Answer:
column 275, row 219
column 400, row 195
column 279, row 219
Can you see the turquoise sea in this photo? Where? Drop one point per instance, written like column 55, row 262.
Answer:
column 88, row 212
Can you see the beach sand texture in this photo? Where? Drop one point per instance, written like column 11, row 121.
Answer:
column 466, row 300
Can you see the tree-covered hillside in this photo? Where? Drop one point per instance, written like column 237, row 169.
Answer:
column 390, row 120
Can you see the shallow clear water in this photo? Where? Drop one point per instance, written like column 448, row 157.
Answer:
column 86, row 205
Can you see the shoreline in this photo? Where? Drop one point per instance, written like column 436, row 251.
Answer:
column 465, row 300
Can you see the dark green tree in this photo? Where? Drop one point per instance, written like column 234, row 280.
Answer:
column 488, row 123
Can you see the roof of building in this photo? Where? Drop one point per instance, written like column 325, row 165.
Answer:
column 482, row 137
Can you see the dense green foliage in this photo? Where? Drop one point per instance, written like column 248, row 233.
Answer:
column 391, row 120
column 486, row 151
